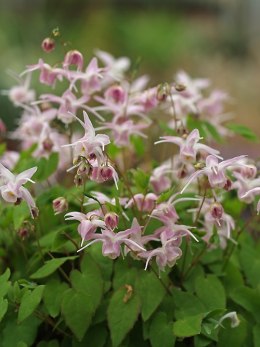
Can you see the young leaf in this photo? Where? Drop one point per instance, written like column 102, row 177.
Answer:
column 29, row 302
column 122, row 314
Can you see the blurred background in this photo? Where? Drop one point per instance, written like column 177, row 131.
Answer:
column 218, row 39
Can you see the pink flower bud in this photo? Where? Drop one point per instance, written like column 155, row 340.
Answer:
column 48, row 45
column 106, row 173
column 216, row 210
column 149, row 202
column 116, row 94
column 84, row 169
column 228, row 185
column 24, row 232
column 73, row 58
column 34, row 212
column 162, row 92
column 60, row 205
column 78, row 180
column 47, row 145
column 111, row 220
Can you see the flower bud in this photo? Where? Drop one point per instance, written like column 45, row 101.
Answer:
column 48, row 45
column 47, row 145
column 78, row 180
column 60, row 205
column 83, row 169
column 116, row 94
column 179, row 87
column 216, row 210
column 107, row 173
column 24, row 232
column 162, row 92
column 35, row 212
column 73, row 58
column 228, row 185
column 111, row 220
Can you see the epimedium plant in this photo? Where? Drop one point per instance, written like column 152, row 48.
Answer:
column 100, row 244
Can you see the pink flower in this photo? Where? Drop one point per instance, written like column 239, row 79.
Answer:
column 193, row 87
column 254, row 191
column 112, row 241
column 123, row 128
column 48, row 74
column 90, row 144
column 12, row 189
column 215, row 171
column 115, row 67
column 189, row 146
column 143, row 202
column 168, row 254
column 21, row 94
column 88, row 223
column 69, row 104
column 73, row 57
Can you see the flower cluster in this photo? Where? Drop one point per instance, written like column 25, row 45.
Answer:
column 112, row 109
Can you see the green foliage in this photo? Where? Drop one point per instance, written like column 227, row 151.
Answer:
column 243, row 131
column 29, row 302
column 122, row 314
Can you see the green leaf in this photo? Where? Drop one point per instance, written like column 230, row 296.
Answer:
column 122, row 314
column 3, row 308
column 211, row 129
column 77, row 311
column 194, row 123
column 14, row 333
column 97, row 334
column 112, row 150
column 233, row 336
column 139, row 146
column 249, row 299
column 150, row 291
column 50, row 266
column 233, row 278
column 46, row 167
column 165, row 195
column 141, row 180
column 29, row 302
column 188, row 326
column 4, row 284
column 81, row 301
column 211, row 292
column 124, row 273
column 160, row 333
column 20, row 213
column 52, row 296
column 187, row 304
column 256, row 335
column 244, row 131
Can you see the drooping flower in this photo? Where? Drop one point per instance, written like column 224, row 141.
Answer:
column 112, row 241
column 90, row 145
column 215, row 171
column 88, row 223
column 12, row 190
column 189, row 146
